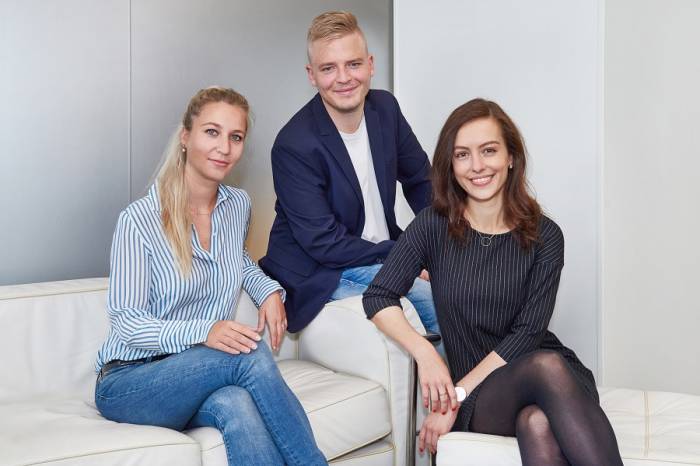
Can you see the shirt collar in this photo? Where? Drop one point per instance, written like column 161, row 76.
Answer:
column 153, row 196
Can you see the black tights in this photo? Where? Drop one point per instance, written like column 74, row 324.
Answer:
column 538, row 399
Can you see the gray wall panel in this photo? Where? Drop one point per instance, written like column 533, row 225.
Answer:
column 259, row 49
column 651, row 219
column 64, row 136
column 91, row 91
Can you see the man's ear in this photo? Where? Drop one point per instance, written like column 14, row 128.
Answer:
column 370, row 60
column 310, row 75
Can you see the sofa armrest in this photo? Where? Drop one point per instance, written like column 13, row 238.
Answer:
column 342, row 339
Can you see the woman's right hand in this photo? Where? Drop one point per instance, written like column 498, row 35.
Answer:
column 435, row 381
column 231, row 337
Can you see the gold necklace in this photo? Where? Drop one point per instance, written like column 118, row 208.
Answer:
column 195, row 212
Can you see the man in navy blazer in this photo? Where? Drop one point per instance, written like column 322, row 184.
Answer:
column 335, row 165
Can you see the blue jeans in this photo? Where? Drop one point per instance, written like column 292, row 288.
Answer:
column 243, row 396
column 354, row 281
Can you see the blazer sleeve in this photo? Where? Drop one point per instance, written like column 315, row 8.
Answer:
column 413, row 166
column 301, row 192
column 530, row 325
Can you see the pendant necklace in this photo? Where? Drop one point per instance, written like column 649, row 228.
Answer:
column 485, row 241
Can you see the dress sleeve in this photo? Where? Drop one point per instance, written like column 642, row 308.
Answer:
column 531, row 323
column 402, row 266
column 255, row 282
column 128, row 300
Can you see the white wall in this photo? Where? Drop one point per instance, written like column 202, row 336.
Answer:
column 651, row 217
column 541, row 61
column 90, row 92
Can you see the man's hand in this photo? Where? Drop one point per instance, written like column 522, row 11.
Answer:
column 435, row 425
column 424, row 275
column 232, row 337
column 272, row 311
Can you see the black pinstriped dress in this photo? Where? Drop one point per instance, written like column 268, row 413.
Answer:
column 488, row 298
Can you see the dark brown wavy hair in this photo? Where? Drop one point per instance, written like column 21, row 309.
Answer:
column 521, row 211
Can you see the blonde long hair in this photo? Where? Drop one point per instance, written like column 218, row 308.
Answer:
column 172, row 189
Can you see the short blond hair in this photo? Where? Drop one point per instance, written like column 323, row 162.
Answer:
column 332, row 25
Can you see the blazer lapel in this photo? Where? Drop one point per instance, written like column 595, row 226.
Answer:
column 376, row 144
column 334, row 143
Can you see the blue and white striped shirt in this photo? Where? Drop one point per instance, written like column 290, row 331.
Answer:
column 152, row 309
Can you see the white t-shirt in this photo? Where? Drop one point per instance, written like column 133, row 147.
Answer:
column 357, row 144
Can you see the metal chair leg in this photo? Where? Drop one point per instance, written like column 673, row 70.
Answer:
column 413, row 431
column 411, row 434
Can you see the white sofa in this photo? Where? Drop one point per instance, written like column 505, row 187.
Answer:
column 351, row 381
column 652, row 429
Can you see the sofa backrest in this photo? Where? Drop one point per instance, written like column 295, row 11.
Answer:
column 50, row 333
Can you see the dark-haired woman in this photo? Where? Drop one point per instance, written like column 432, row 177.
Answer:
column 494, row 261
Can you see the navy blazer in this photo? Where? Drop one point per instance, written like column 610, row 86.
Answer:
column 320, row 213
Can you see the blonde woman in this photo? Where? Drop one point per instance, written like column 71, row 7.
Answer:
column 173, row 356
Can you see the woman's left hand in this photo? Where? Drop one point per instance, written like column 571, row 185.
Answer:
column 435, row 425
column 272, row 311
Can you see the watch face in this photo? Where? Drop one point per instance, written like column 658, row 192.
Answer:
column 461, row 394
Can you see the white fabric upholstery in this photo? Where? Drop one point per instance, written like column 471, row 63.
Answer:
column 341, row 337
column 345, row 412
column 377, row 454
column 54, row 430
column 652, row 429
column 49, row 336
column 52, row 332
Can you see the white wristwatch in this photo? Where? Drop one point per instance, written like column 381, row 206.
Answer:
column 461, row 394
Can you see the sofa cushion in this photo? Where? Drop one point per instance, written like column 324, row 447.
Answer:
column 379, row 453
column 53, row 331
column 652, row 428
column 70, row 431
column 345, row 412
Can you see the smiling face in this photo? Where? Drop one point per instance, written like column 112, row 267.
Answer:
column 214, row 144
column 480, row 160
column 341, row 69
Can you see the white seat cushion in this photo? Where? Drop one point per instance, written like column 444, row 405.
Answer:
column 379, row 453
column 345, row 412
column 70, row 431
column 652, row 428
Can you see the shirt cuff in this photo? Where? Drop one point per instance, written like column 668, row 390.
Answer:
column 264, row 291
column 374, row 304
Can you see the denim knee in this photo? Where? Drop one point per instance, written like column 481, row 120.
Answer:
column 260, row 361
column 231, row 405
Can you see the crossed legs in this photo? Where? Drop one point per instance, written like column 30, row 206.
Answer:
column 538, row 399
column 244, row 396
